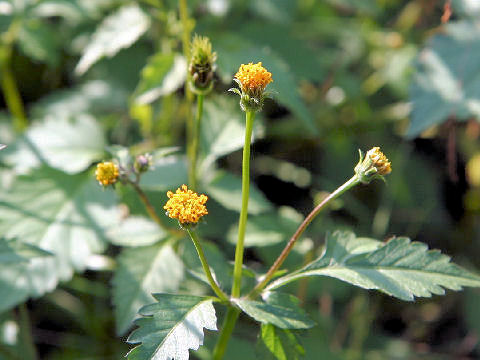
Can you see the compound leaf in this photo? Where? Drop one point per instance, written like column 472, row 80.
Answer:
column 399, row 268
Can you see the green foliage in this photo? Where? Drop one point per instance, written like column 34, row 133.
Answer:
column 446, row 82
column 399, row 268
column 13, row 251
column 278, row 344
column 141, row 272
column 279, row 309
column 172, row 326
column 65, row 215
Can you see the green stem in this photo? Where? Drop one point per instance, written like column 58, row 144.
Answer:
column 205, row 266
column 12, row 96
column 194, row 143
column 237, row 270
column 28, row 346
column 151, row 210
column 227, row 329
column 281, row 258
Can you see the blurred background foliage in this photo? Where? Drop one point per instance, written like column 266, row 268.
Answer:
column 81, row 75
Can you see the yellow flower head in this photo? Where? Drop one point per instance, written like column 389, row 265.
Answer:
column 185, row 205
column 379, row 161
column 253, row 77
column 107, row 173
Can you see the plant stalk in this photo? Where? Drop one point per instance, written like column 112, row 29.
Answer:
column 29, row 350
column 192, row 174
column 12, row 96
column 205, row 266
column 237, row 270
column 227, row 329
column 283, row 255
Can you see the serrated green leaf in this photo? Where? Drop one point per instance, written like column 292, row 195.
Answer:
column 14, row 251
column 136, row 231
column 399, row 268
column 142, row 271
column 281, row 310
column 117, row 31
column 39, row 41
column 278, row 344
column 66, row 215
column 70, row 145
column 226, row 188
column 171, row 327
column 447, row 81
column 163, row 74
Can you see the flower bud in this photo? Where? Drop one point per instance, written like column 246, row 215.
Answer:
column 374, row 165
column 202, row 65
column 142, row 163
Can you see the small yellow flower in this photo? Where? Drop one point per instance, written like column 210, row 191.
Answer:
column 186, row 206
column 374, row 165
column 107, row 173
column 380, row 161
column 253, row 77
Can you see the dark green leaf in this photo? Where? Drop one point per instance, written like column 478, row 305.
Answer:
column 171, row 327
column 142, row 271
column 278, row 344
column 281, row 310
column 399, row 268
column 39, row 41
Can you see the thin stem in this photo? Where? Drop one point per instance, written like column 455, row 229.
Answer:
column 151, row 210
column 237, row 270
column 194, row 143
column 29, row 350
column 12, row 96
column 281, row 258
column 205, row 266
column 227, row 329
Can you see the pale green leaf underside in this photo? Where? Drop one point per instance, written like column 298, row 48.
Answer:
column 65, row 215
column 142, row 271
column 136, row 231
column 13, row 251
column 399, row 268
column 119, row 30
column 281, row 310
column 171, row 327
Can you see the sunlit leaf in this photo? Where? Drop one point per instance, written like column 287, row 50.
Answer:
column 117, row 31
column 65, row 215
column 163, row 74
column 171, row 327
column 14, row 251
column 281, row 310
column 447, row 81
column 136, row 231
column 168, row 173
column 142, row 271
column 399, row 268
column 70, row 145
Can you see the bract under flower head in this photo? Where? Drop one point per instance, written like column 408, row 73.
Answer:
column 202, row 65
column 186, row 206
column 374, row 165
column 107, row 173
